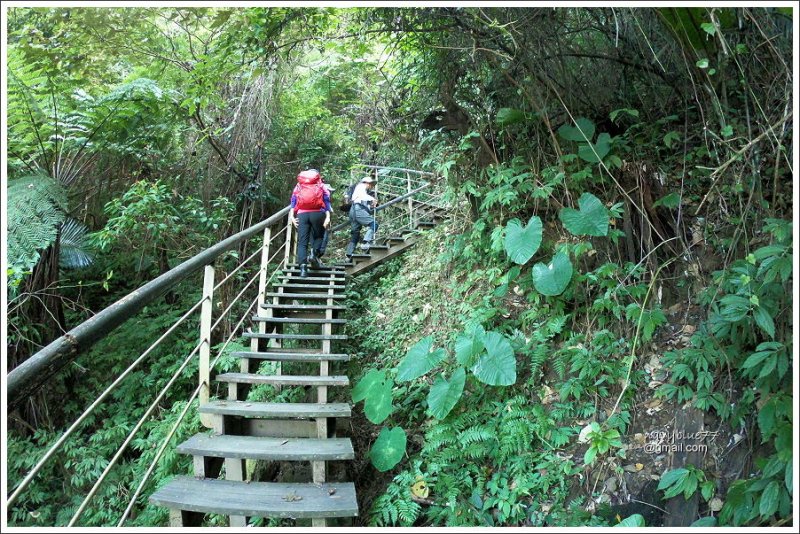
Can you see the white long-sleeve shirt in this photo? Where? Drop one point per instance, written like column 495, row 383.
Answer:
column 361, row 194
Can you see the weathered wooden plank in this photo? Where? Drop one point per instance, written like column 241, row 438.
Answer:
column 258, row 448
column 293, row 356
column 281, row 428
column 395, row 250
column 312, row 287
column 284, row 380
column 305, row 296
column 294, row 336
column 293, row 350
column 297, row 320
column 304, row 307
column 258, row 499
column 330, row 269
column 277, row 410
column 295, row 265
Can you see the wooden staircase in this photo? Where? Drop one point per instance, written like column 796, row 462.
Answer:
column 279, row 432
column 305, row 432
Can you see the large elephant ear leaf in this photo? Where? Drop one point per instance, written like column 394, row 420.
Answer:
column 582, row 132
column 552, row 279
column 497, row 366
column 595, row 152
column 378, row 403
column 371, row 379
column 444, row 394
column 419, row 360
column 590, row 219
column 388, row 449
column 522, row 243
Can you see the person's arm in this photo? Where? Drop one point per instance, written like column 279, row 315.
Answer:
column 326, row 198
column 293, row 203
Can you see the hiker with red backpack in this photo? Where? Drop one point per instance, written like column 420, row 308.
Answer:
column 310, row 213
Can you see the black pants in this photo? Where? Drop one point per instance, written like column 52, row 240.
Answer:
column 310, row 228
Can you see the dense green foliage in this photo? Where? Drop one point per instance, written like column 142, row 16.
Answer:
column 620, row 239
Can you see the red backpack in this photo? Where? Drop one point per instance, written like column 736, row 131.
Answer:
column 309, row 191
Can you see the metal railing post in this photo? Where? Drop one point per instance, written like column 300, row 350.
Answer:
column 410, row 202
column 262, row 279
column 206, row 311
column 288, row 250
column 375, row 212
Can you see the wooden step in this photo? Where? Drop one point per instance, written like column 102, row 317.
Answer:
column 320, row 337
column 293, row 356
column 257, row 448
column 291, row 278
column 379, row 247
column 304, row 307
column 276, row 410
column 283, row 380
column 322, row 287
column 360, row 256
column 396, row 239
column 363, row 266
column 304, row 296
column 292, row 320
column 326, row 274
column 258, row 499
column 330, row 269
column 338, row 276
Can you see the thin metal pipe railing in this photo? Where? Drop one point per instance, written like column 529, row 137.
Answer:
column 253, row 255
column 27, row 377
column 32, row 473
column 26, row 481
column 230, row 306
column 400, row 169
column 130, row 437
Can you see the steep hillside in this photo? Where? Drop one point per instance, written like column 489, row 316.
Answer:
column 589, row 423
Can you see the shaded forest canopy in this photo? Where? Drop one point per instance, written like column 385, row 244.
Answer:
column 650, row 150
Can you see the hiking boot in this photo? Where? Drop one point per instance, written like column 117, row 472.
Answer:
column 315, row 263
column 365, row 247
column 303, row 270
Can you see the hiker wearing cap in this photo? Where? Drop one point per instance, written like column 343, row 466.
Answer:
column 361, row 214
column 310, row 213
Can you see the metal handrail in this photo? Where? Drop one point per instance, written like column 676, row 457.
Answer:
column 400, row 169
column 43, row 460
column 242, row 264
column 32, row 373
column 390, row 203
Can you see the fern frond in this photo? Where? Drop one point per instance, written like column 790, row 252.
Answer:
column 35, row 210
column 72, row 246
